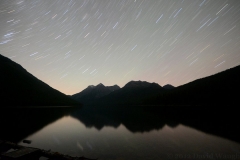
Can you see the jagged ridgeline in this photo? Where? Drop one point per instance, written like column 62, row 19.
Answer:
column 92, row 93
column 134, row 92
column 20, row 88
column 219, row 89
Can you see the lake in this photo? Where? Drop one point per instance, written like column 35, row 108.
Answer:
column 121, row 135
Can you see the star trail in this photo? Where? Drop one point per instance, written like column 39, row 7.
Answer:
column 70, row 44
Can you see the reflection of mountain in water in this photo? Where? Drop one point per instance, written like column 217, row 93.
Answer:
column 133, row 120
column 215, row 121
column 18, row 123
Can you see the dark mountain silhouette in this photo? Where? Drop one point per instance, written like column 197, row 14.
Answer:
column 219, row 89
column 92, row 93
column 168, row 86
column 20, row 88
column 133, row 93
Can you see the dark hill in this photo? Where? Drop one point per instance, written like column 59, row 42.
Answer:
column 20, row 88
column 219, row 89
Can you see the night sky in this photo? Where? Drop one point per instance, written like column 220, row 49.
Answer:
column 70, row 44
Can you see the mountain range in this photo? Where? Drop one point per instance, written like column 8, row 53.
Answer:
column 218, row 89
column 20, row 88
column 134, row 92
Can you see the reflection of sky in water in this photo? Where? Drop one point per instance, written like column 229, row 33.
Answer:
column 69, row 136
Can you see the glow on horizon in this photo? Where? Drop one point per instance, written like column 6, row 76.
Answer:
column 71, row 44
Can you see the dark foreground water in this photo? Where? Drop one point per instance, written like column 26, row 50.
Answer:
column 122, row 135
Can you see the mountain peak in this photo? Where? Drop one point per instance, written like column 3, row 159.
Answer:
column 168, row 86
column 138, row 84
column 100, row 84
column 92, row 93
column 91, row 86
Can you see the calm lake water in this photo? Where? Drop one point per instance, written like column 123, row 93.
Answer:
column 109, row 138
